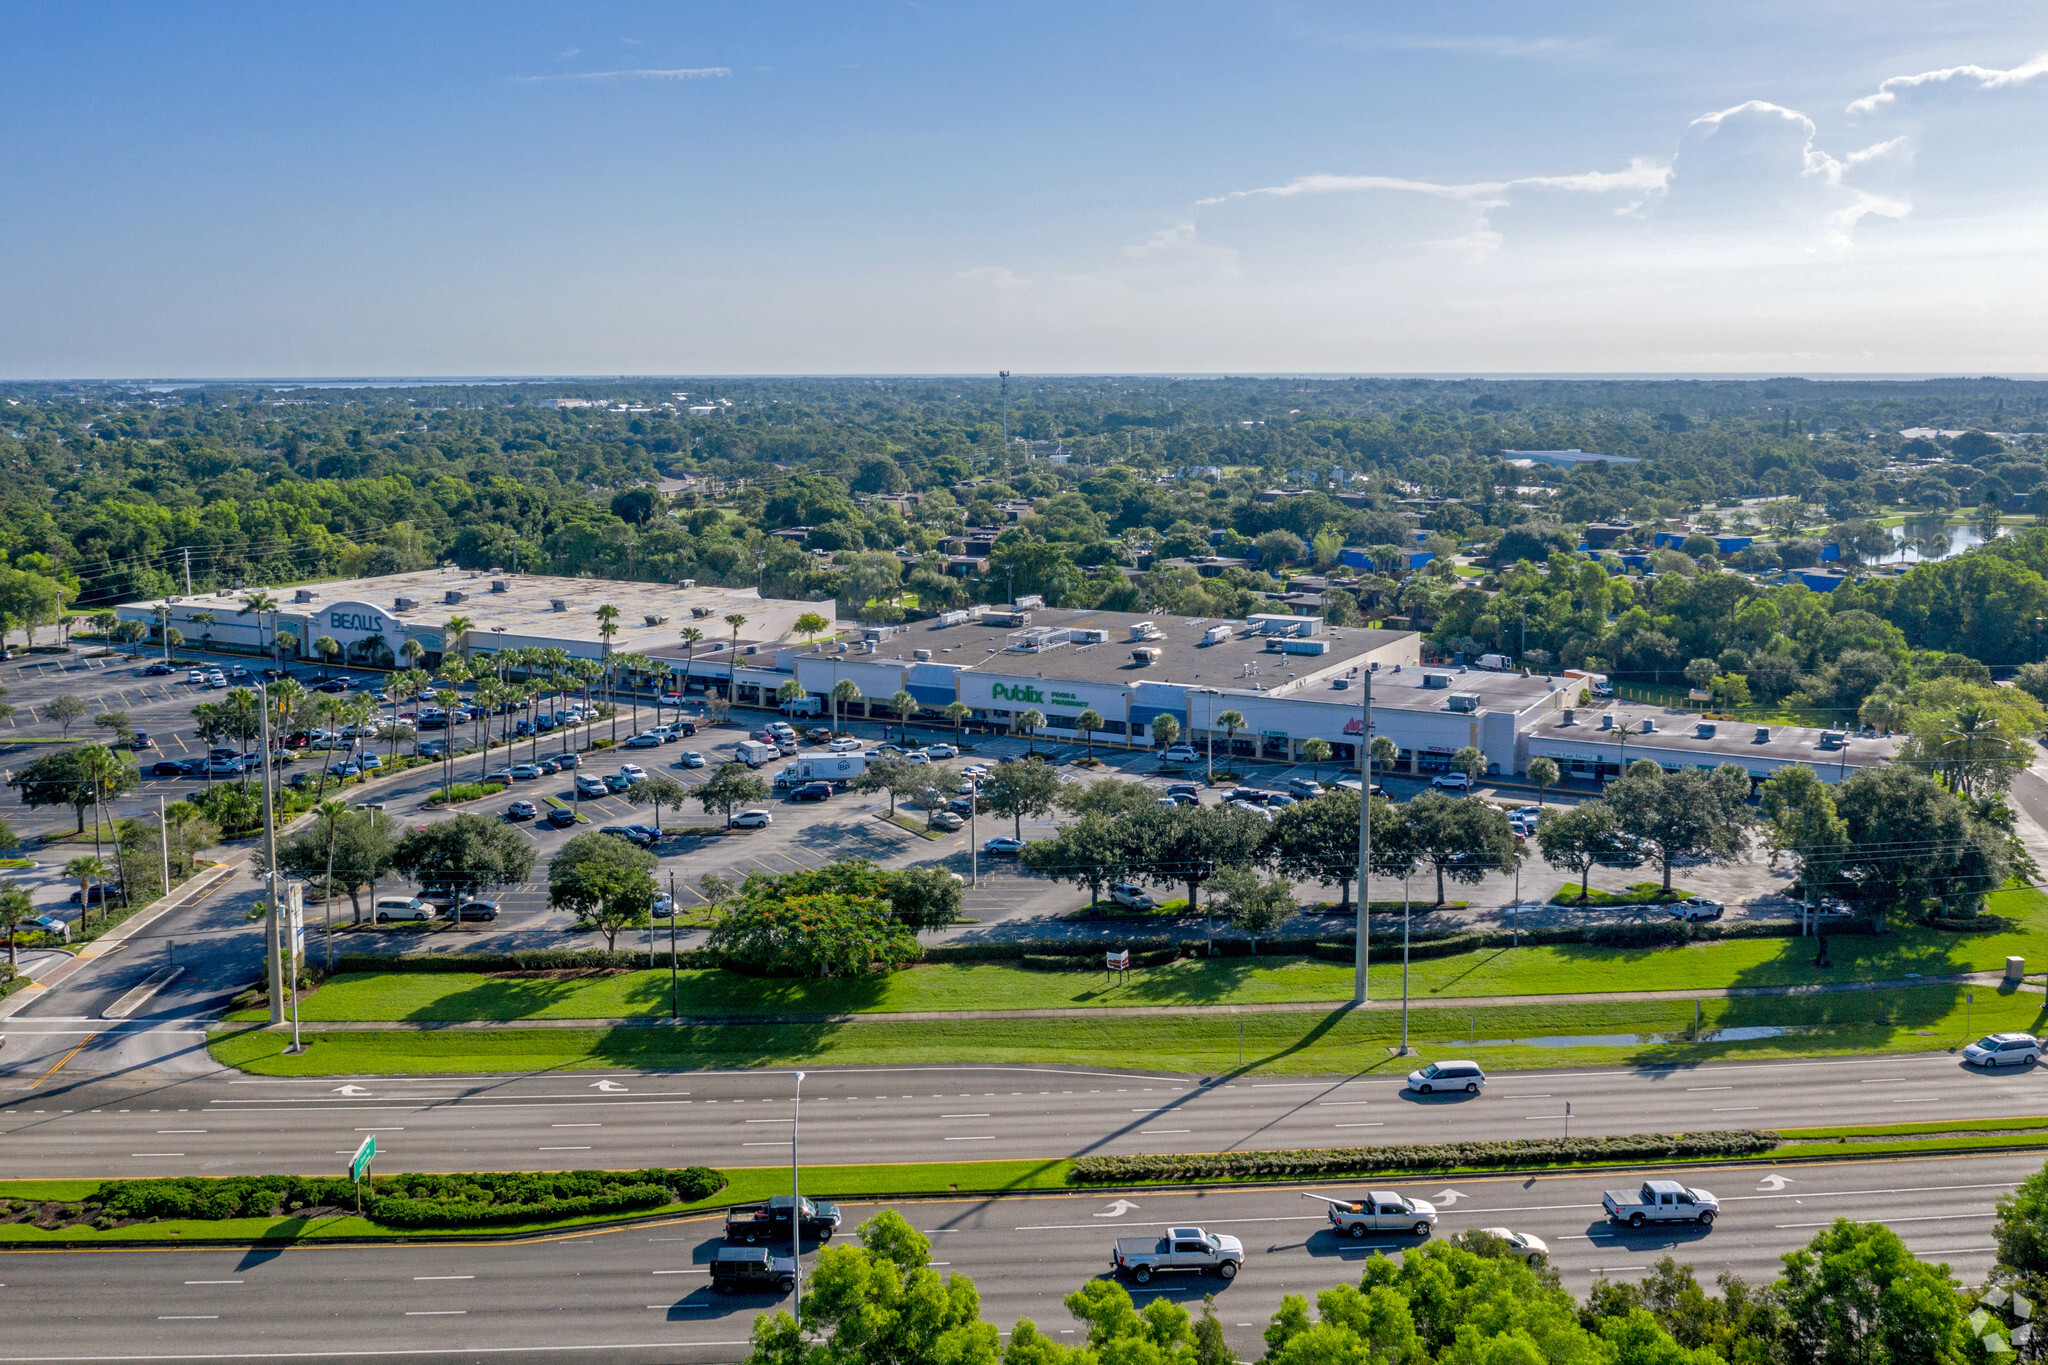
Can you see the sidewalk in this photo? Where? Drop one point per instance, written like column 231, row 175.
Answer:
column 1467, row 1002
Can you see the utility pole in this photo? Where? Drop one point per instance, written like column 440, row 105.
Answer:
column 1362, row 951
column 796, row 1201
column 188, row 571
column 163, row 831
column 675, row 1010
column 277, row 968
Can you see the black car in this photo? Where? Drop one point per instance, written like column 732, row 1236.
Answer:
column 752, row 1270
column 275, row 674
column 633, row 834
column 561, row 817
column 167, row 767
column 1251, row 794
column 764, row 1222
column 99, row 895
column 332, row 685
column 812, row 791
column 1184, row 789
column 682, row 727
column 157, row 670
column 483, row 910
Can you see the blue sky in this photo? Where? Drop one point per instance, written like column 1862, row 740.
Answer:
column 222, row 189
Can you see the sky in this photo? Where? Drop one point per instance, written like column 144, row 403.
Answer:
column 211, row 190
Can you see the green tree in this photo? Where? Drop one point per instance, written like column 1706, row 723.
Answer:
column 1252, row 904
column 1317, row 752
column 1544, row 773
column 1683, row 816
column 905, row 706
column 769, row 928
column 1092, row 852
column 1188, row 845
column 1028, row 724
column 658, row 790
column 1459, row 838
column 1232, row 722
column 844, row 693
column 1575, row 838
column 79, row 776
column 1021, row 790
column 925, row 897
column 344, row 852
column 88, row 870
column 1318, row 841
column 1955, row 860
column 116, row 723
column 1799, row 817
column 1087, row 723
column 329, row 649
column 607, row 883
column 732, row 786
column 811, row 625
column 1165, row 730
column 1470, row 762
column 2022, row 1228
column 893, row 775
column 465, row 855
column 1856, row 1296
column 67, row 710
column 15, row 909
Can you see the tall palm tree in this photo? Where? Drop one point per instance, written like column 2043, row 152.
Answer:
column 486, row 694
column 732, row 663
column 1232, row 722
column 87, row 869
column 905, row 706
column 587, row 671
column 261, row 603
column 455, row 637
column 845, row 690
column 692, row 637
column 789, row 692
column 411, row 652
column 332, row 811
column 448, row 699
column 607, row 627
column 958, row 712
column 1029, row 723
column 634, row 666
column 283, row 642
column 1088, row 722
column 326, row 646
column 204, row 620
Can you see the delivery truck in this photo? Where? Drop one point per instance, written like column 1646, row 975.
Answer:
column 834, row 768
column 754, row 752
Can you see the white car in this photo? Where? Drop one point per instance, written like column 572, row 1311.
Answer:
column 942, row 751
column 976, row 770
column 632, row 772
column 1465, row 1076
column 1003, row 843
column 402, row 907
column 917, row 756
column 195, row 676
column 1131, row 896
column 752, row 819
column 2004, row 1049
column 843, row 745
column 1451, row 782
column 690, row 758
column 1179, row 753
column 1695, row 908
column 1526, row 1245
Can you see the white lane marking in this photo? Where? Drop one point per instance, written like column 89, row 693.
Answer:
column 444, row 1277
column 563, row 1149
column 575, row 1125
column 1696, row 1089
column 179, row 1132
column 1164, row 1132
column 1922, row 1218
column 213, row 1282
column 1937, row 1099
column 694, row 1270
column 156, row 1154
column 777, row 1144
column 770, row 1120
column 188, row 1317
column 1360, row 1125
column 438, row 1313
column 1734, row 1109
column 1344, row 1104
column 963, row 1116
column 379, row 1130
column 988, row 1137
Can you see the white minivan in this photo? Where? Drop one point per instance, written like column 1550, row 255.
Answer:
column 1453, row 1076
column 402, row 907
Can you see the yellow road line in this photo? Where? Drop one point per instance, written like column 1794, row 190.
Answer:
column 62, row 1060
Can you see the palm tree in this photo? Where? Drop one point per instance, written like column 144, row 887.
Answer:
column 455, row 637
column 845, row 690
column 448, row 700
column 331, row 812
column 958, row 712
column 1088, row 722
column 204, row 620
column 1543, row 772
column 692, row 637
column 587, row 671
column 790, row 692
column 411, row 652
column 261, row 603
column 635, row 665
column 1232, row 722
column 86, row 869
column 15, row 906
column 283, row 642
column 809, row 625
column 1317, row 752
column 608, row 626
column 1029, row 723
column 905, row 706
column 326, row 646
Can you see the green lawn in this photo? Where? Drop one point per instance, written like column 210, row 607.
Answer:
column 1528, row 971
column 1337, row 1041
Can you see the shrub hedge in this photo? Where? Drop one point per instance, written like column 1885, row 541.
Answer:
column 413, row 1201
column 524, row 960
column 1417, row 1157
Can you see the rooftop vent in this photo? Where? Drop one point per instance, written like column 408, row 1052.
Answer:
column 454, row 595
column 305, row 595
column 1649, row 726
column 1145, row 630
column 558, row 604
column 404, row 603
column 1436, row 681
column 223, row 592
column 686, row 582
column 699, row 613
column 1763, row 734
column 1571, row 716
column 1145, row 657
column 1704, row 730
column 1606, row 720
column 1463, row 701
column 654, row 618
column 923, row 656
column 501, row 585
column 1029, row 602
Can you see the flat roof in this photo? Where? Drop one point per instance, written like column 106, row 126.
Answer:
column 1678, row 731
column 1406, row 689
column 1183, row 658
column 526, row 607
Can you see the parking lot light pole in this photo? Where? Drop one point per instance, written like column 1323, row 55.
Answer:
column 973, row 839
column 273, row 938
column 796, row 1201
column 674, row 910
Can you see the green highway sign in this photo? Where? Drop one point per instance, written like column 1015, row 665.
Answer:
column 359, row 1164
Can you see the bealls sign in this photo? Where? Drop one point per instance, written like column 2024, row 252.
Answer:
column 369, row 623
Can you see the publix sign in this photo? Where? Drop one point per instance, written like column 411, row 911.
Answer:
column 1016, row 692
column 1059, row 696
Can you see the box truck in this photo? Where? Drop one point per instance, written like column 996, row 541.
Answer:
column 754, row 753
column 822, row 768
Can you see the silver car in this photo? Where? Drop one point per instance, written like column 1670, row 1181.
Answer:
column 2004, row 1049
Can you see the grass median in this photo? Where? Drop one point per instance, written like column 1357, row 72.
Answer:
column 954, row 986
column 1338, row 1041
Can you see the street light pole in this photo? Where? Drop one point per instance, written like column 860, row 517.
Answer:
column 1406, row 901
column 274, row 941
column 1361, row 962
column 796, row 1201
column 674, row 910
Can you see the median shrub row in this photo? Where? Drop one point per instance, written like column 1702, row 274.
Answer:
column 525, row 960
column 1417, row 1157
column 411, row 1201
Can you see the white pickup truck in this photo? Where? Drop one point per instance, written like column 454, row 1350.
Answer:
column 1181, row 1249
column 1379, row 1211
column 1661, row 1201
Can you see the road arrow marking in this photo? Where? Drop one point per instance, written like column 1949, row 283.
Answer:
column 1118, row 1209
column 1451, row 1196
column 609, row 1087
column 350, row 1090
column 1773, row 1182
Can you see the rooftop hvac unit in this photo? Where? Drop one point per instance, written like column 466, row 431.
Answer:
column 954, row 618
column 867, row 646
column 223, row 592
column 923, row 656
column 305, row 595
column 558, row 604
column 1146, row 630
column 1606, row 720
column 454, row 595
column 1215, row 635
column 404, row 603
column 699, row 613
column 500, row 585
column 655, row 619
column 1145, row 657
column 1463, row 701
column 686, row 582
column 1649, row 726
column 1704, row 730
column 1091, row 637
column 1571, row 717
column 1436, row 681
column 1763, row 734
column 1028, row 602
column 1006, row 618
column 1297, row 646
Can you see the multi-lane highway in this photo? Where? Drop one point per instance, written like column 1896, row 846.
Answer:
column 161, row 1120
column 641, row 1293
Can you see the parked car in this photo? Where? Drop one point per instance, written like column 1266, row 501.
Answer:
column 521, row 810
column 196, row 676
column 561, row 817
column 1182, row 1250
column 812, row 791
column 616, row 782
column 752, row 819
column 690, row 758
column 632, row 772
column 238, row 672
column 1180, row 753
column 663, row 907
column 547, row 766
column 1378, row 1211
column 332, row 685
column 1003, row 844
column 2004, row 1049
column 1660, row 1201
column 844, row 746
column 752, row 1270
column 940, row 751
column 1184, row 789
column 369, row 761
column 389, row 908
column 167, row 767
column 632, row 834
column 158, row 670
column 1304, row 788
column 525, row 772
column 344, row 770
column 769, row 1222
column 501, row 775
column 100, row 894
column 1451, row 782
column 477, row 910
column 646, row 739
column 1131, row 896
column 1465, row 1076
column 1695, row 908
column 587, row 785
column 947, row 820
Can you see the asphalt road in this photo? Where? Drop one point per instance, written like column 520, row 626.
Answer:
column 161, row 1121
column 641, row 1293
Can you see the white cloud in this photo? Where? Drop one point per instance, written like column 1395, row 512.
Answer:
column 690, row 73
column 1987, row 78
column 1850, row 204
column 1643, row 173
column 1000, row 278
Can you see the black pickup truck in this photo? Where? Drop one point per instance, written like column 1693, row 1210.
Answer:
column 769, row 1222
column 752, row 1270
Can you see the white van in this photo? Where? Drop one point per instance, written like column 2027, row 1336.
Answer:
column 402, row 908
